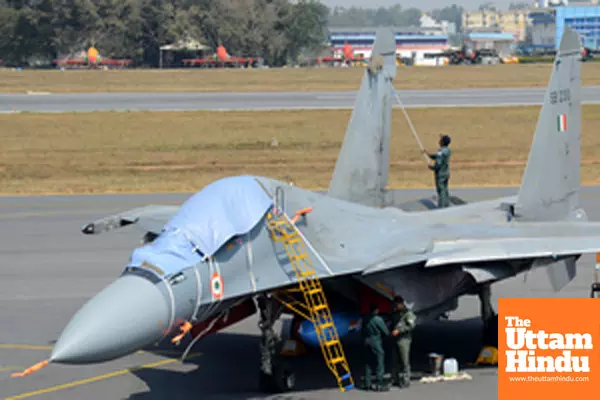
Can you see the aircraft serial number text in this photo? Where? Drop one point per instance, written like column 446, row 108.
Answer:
column 560, row 96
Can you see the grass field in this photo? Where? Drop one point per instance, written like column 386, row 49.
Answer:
column 142, row 152
column 309, row 79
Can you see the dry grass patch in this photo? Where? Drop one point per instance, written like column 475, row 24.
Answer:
column 182, row 151
column 277, row 80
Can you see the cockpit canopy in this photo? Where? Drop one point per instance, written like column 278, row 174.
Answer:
column 204, row 223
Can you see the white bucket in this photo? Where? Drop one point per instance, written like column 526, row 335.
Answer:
column 450, row 367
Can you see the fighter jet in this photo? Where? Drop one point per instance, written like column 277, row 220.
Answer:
column 249, row 243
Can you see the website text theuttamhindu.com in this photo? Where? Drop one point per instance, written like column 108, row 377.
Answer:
column 549, row 379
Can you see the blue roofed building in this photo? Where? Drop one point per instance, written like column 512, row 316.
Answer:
column 412, row 43
column 502, row 42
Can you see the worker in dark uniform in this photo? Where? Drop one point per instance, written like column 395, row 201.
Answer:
column 441, row 168
column 405, row 321
column 373, row 331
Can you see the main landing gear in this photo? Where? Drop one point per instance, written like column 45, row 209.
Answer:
column 488, row 317
column 275, row 374
column 489, row 351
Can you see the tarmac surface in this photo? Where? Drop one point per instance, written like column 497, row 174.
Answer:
column 49, row 269
column 86, row 102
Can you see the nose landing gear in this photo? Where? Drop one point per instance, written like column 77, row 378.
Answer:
column 275, row 375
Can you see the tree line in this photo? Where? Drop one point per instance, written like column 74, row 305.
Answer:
column 34, row 32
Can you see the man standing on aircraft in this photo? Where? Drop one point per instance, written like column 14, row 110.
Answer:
column 441, row 167
column 404, row 323
column 373, row 331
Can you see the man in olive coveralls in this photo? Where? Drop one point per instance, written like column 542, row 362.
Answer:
column 373, row 331
column 441, row 168
column 404, row 323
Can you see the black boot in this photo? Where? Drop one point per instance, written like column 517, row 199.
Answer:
column 403, row 383
column 381, row 387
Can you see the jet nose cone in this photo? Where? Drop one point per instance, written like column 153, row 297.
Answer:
column 127, row 315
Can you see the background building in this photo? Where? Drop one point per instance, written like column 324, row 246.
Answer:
column 583, row 19
column 543, row 28
column 515, row 22
column 480, row 19
column 548, row 25
column 502, row 42
column 442, row 27
column 558, row 3
column 412, row 43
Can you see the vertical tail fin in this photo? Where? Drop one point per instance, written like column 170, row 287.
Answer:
column 361, row 171
column 550, row 187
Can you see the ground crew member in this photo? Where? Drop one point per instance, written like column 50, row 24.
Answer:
column 405, row 322
column 441, row 167
column 373, row 332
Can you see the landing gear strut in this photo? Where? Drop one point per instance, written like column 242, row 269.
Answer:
column 489, row 351
column 488, row 317
column 275, row 375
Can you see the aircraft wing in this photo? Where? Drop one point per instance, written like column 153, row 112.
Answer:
column 467, row 251
column 472, row 243
column 149, row 218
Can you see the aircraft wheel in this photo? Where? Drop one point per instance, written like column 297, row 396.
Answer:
column 265, row 383
column 282, row 380
column 285, row 380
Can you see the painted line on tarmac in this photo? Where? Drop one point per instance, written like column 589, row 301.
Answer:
column 99, row 378
column 11, row 368
column 24, row 347
column 36, row 347
column 31, row 214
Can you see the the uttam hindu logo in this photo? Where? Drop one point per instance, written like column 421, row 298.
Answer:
column 523, row 343
column 549, row 348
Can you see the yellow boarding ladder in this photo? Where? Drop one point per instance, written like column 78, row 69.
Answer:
column 283, row 230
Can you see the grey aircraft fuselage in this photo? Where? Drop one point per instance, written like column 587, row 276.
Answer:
column 339, row 233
